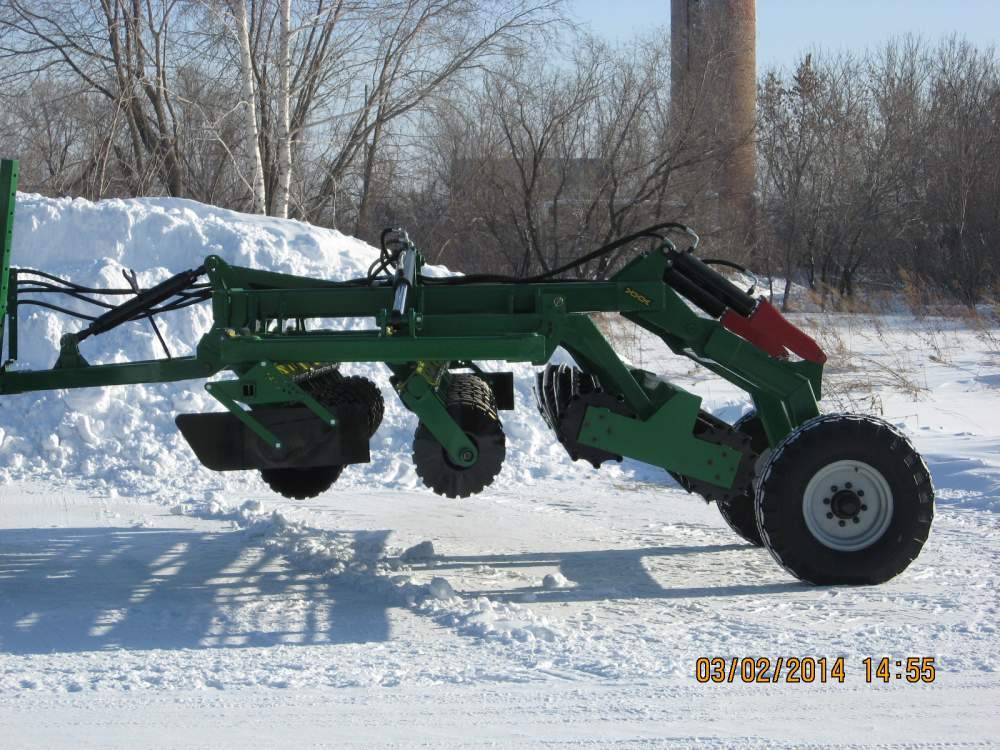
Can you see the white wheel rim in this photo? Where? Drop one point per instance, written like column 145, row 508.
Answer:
column 847, row 505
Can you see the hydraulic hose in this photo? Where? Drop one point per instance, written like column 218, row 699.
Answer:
column 712, row 282
column 141, row 303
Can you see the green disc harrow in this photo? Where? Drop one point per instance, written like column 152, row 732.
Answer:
column 834, row 498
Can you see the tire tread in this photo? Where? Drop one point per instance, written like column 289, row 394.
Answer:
column 796, row 449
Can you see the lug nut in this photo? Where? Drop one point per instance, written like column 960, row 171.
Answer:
column 864, row 507
column 861, row 493
column 829, row 515
column 847, row 485
column 826, row 501
column 857, row 520
column 843, row 523
column 833, row 488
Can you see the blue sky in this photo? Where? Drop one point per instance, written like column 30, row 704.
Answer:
column 787, row 27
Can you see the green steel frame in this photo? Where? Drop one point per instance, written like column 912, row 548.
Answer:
column 8, row 198
column 261, row 323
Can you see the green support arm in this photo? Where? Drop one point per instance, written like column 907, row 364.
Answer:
column 8, row 199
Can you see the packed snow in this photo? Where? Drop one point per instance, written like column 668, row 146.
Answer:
column 145, row 601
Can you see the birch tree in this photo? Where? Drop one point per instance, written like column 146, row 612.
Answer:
column 249, row 103
column 284, row 107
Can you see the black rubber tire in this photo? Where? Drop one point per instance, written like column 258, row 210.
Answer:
column 470, row 402
column 331, row 389
column 817, row 444
column 301, row 484
column 740, row 513
column 362, row 390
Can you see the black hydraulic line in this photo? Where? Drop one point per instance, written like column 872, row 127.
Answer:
column 327, row 284
column 141, row 303
column 714, row 283
column 172, row 306
column 386, row 257
column 726, row 263
column 185, row 300
column 199, row 294
column 383, row 241
column 39, row 287
column 67, row 286
column 65, row 282
column 389, row 258
column 697, row 294
column 648, row 232
column 376, row 268
column 736, row 267
column 485, row 278
column 194, row 294
column 39, row 303
column 133, row 282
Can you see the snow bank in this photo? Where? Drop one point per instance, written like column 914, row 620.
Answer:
column 123, row 439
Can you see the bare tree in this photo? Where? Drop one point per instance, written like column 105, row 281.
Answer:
column 541, row 163
column 249, row 103
column 964, row 104
column 411, row 50
column 884, row 165
column 284, row 104
column 118, row 49
column 504, row 154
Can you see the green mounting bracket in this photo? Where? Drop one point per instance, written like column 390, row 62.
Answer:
column 69, row 353
column 420, row 395
column 262, row 385
column 412, row 325
column 218, row 389
column 664, row 440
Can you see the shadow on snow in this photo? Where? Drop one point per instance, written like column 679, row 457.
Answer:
column 85, row 589
column 71, row 590
column 599, row 575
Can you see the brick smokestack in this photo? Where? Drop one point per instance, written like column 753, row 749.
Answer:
column 714, row 81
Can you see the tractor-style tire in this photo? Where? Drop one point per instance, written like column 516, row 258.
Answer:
column 356, row 389
column 845, row 499
column 334, row 391
column 739, row 513
column 471, row 404
column 301, row 484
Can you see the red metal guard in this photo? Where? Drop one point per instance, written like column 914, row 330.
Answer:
column 767, row 328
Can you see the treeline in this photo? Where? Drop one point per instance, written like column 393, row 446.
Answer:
column 503, row 138
column 289, row 107
column 883, row 167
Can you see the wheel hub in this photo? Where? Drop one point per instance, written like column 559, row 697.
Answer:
column 847, row 505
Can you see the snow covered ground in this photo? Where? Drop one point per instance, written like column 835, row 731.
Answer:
column 147, row 602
